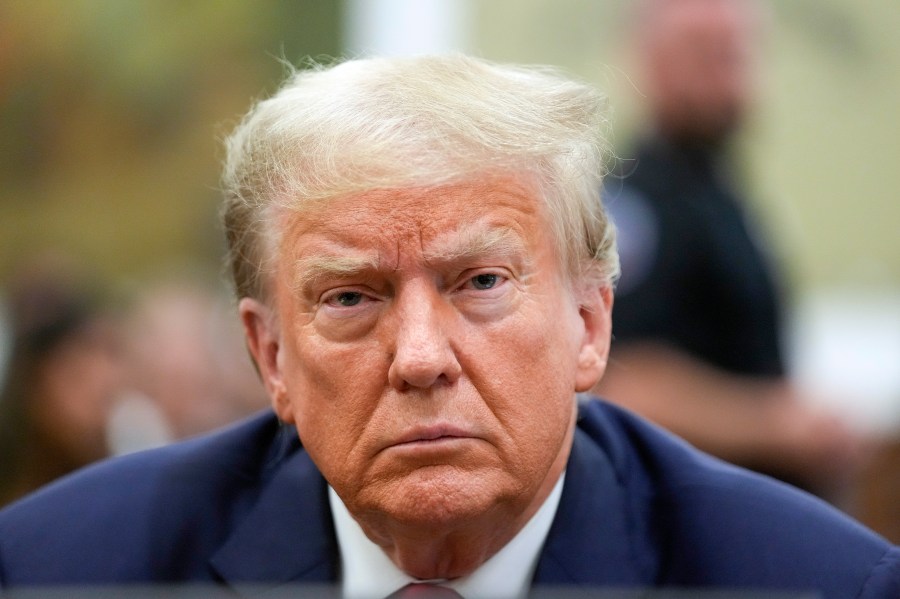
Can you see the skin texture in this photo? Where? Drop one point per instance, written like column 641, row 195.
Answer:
column 428, row 346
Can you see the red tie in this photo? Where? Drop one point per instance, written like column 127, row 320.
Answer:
column 421, row 590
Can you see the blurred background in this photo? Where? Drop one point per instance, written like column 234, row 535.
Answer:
column 112, row 112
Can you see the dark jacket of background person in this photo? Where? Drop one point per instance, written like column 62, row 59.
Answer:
column 694, row 273
column 639, row 508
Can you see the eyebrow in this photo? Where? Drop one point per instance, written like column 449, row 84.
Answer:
column 313, row 268
column 472, row 243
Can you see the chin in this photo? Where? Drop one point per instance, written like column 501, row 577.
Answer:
column 437, row 497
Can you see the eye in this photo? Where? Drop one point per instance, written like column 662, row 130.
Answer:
column 485, row 281
column 346, row 299
column 485, row 293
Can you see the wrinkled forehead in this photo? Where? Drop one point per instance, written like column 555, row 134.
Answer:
column 424, row 206
column 501, row 213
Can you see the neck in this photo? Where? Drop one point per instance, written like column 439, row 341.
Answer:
column 448, row 554
column 694, row 138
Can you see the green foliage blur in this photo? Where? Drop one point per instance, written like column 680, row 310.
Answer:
column 111, row 117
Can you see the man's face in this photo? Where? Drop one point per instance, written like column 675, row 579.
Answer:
column 701, row 61
column 428, row 347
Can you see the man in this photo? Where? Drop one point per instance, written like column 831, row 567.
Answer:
column 698, row 306
column 425, row 284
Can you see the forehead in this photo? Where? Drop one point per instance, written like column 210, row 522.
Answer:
column 418, row 218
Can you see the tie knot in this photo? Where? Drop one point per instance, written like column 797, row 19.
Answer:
column 424, row 590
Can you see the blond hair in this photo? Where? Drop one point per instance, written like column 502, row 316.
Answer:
column 383, row 123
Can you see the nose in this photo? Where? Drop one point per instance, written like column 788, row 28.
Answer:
column 423, row 354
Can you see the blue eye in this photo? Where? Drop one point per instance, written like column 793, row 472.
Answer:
column 348, row 298
column 484, row 281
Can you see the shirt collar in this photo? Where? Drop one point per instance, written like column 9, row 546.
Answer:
column 366, row 571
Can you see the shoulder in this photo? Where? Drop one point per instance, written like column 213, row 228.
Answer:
column 126, row 516
column 716, row 524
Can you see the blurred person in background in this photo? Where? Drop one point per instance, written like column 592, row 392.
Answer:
column 697, row 325
column 187, row 366
column 59, row 382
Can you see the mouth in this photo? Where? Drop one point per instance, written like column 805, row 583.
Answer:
column 432, row 435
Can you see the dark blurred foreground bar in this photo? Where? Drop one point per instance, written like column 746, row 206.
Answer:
column 333, row 592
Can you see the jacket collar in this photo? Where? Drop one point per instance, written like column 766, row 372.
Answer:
column 597, row 534
column 288, row 534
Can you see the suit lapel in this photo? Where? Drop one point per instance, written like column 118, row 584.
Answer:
column 594, row 538
column 288, row 534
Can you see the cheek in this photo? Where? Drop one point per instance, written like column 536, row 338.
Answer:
column 525, row 370
column 337, row 372
column 540, row 345
column 333, row 389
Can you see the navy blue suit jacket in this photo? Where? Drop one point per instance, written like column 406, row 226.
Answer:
column 247, row 506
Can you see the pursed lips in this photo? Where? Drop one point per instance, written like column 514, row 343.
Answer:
column 430, row 434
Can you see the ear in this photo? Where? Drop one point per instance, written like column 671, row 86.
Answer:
column 595, row 310
column 263, row 331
